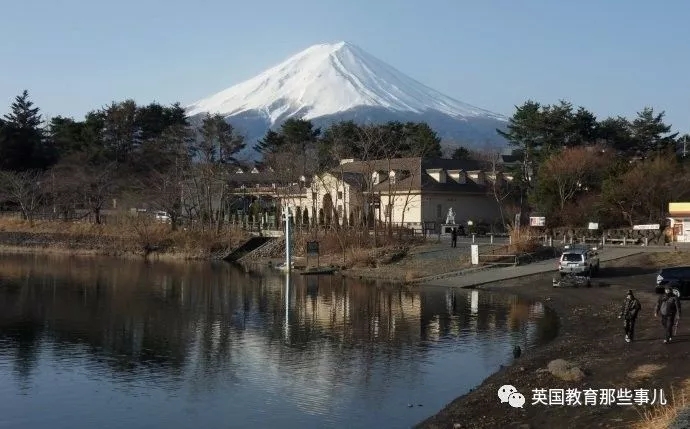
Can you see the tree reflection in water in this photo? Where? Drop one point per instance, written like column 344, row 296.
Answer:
column 323, row 345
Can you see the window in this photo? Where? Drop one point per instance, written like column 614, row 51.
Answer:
column 573, row 257
column 313, row 195
column 439, row 211
column 389, row 208
column 340, row 195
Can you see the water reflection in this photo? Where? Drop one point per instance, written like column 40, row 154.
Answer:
column 123, row 342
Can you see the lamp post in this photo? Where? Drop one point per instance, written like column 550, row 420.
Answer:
column 287, row 214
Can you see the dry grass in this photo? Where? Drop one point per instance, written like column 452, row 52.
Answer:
column 124, row 235
column 663, row 416
column 645, row 371
column 669, row 258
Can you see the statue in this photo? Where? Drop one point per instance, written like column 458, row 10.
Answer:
column 450, row 217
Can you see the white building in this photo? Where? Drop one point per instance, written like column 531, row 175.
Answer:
column 679, row 221
column 406, row 191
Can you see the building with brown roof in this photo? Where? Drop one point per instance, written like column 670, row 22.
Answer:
column 407, row 191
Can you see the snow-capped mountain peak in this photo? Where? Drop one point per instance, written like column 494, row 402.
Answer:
column 327, row 79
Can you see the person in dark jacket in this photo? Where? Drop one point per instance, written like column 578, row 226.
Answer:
column 668, row 308
column 454, row 237
column 631, row 307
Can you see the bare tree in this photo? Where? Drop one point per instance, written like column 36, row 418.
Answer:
column 500, row 187
column 24, row 189
column 569, row 171
column 642, row 193
column 98, row 186
column 288, row 173
column 371, row 139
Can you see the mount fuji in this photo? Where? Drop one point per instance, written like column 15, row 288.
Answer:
column 329, row 83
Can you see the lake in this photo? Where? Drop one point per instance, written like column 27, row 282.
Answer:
column 110, row 343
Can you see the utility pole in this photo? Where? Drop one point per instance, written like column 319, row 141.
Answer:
column 288, row 239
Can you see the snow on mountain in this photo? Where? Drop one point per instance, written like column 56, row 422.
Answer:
column 340, row 81
column 327, row 79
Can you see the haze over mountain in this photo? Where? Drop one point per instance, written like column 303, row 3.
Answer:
column 328, row 83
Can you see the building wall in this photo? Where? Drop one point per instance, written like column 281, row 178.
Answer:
column 329, row 184
column 466, row 207
column 406, row 207
column 413, row 208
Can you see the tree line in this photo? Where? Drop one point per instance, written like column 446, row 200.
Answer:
column 573, row 168
column 155, row 155
column 570, row 166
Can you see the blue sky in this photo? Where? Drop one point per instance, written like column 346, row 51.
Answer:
column 613, row 57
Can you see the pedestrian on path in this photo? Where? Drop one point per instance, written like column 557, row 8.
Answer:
column 668, row 308
column 631, row 307
column 454, row 237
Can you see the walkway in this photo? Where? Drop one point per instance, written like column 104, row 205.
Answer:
column 474, row 277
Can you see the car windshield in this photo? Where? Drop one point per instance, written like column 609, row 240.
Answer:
column 573, row 257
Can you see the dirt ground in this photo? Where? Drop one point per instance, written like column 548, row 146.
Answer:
column 591, row 336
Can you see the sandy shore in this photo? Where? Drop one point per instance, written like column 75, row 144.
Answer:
column 591, row 337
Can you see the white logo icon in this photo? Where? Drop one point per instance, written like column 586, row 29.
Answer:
column 516, row 400
column 505, row 391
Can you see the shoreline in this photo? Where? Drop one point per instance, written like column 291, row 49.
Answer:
column 590, row 337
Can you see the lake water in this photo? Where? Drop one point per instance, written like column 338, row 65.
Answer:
column 111, row 343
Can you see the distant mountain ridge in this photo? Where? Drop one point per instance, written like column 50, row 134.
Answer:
column 329, row 83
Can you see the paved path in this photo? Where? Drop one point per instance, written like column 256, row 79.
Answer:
column 490, row 275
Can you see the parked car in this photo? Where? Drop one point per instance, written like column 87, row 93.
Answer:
column 579, row 261
column 161, row 216
column 678, row 278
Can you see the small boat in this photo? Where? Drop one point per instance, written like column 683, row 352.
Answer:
column 318, row 270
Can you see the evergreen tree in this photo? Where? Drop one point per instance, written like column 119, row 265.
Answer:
column 616, row 132
column 299, row 133
column 339, row 141
column 650, row 134
column 66, row 135
column 461, row 153
column 219, row 140
column 21, row 141
column 525, row 134
column 121, row 134
column 583, row 128
column 154, row 119
column 419, row 139
column 271, row 143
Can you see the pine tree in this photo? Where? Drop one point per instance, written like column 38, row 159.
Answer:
column 271, row 143
column 650, row 134
column 461, row 154
column 21, row 141
column 220, row 142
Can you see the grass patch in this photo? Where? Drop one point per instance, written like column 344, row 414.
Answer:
column 645, row 371
column 663, row 416
column 123, row 235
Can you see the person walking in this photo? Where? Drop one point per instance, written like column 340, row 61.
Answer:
column 631, row 306
column 454, row 237
column 668, row 307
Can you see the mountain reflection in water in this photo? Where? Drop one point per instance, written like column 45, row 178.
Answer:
column 117, row 343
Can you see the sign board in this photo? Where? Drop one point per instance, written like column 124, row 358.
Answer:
column 593, row 225
column 655, row 226
column 313, row 247
column 474, row 250
column 537, row 221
